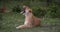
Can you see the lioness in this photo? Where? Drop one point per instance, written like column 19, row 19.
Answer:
column 30, row 19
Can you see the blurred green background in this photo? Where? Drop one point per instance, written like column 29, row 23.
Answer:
column 47, row 10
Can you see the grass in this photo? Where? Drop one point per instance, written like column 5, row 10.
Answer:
column 11, row 20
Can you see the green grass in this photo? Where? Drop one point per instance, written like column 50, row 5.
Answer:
column 11, row 21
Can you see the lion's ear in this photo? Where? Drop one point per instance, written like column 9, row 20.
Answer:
column 30, row 11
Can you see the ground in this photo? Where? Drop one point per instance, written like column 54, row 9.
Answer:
column 11, row 20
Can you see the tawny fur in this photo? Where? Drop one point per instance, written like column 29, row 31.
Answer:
column 30, row 20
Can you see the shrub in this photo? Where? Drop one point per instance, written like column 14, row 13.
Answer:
column 53, row 12
column 16, row 9
column 39, row 12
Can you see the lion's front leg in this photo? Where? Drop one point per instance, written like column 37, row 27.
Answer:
column 24, row 26
column 21, row 26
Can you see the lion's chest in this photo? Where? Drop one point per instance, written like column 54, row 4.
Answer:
column 28, row 20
